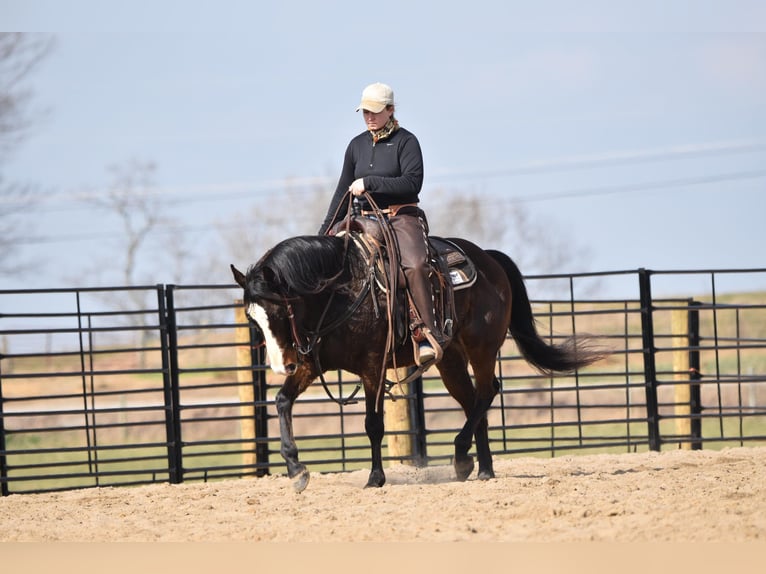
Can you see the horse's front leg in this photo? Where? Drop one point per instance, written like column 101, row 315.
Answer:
column 288, row 448
column 373, row 424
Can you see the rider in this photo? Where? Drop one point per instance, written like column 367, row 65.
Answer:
column 386, row 162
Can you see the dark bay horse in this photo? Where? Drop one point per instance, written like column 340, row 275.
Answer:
column 311, row 298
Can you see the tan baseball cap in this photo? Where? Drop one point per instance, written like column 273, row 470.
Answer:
column 376, row 97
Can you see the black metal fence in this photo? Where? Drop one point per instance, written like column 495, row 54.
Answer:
column 167, row 383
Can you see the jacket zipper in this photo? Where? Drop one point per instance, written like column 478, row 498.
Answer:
column 372, row 158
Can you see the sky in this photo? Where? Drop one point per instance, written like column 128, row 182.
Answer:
column 636, row 130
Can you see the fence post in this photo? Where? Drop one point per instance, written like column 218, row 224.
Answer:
column 695, row 375
column 260, row 386
column 418, row 418
column 254, row 429
column 650, row 368
column 169, row 343
column 679, row 326
column 3, row 461
column 397, row 418
column 245, row 385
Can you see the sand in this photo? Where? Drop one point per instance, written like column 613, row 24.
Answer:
column 674, row 496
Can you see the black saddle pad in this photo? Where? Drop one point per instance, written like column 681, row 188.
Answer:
column 462, row 271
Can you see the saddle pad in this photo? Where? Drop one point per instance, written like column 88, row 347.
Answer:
column 462, row 271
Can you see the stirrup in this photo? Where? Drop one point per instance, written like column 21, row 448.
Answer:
column 428, row 351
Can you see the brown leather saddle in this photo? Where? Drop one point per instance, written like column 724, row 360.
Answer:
column 451, row 270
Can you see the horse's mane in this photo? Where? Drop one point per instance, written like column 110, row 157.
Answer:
column 298, row 266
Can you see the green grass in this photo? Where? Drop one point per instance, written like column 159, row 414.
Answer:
column 61, row 461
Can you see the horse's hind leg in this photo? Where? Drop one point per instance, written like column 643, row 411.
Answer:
column 475, row 402
column 487, row 387
column 476, row 424
column 483, row 452
column 454, row 373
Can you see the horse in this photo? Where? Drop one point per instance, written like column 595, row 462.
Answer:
column 311, row 297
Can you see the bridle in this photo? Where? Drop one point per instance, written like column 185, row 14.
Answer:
column 305, row 342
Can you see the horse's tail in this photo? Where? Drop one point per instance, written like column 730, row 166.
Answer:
column 569, row 355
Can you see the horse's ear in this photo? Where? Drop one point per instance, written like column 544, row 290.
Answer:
column 239, row 277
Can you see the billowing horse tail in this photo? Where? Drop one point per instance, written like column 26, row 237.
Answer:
column 569, row 355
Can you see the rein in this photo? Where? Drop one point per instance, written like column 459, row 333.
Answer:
column 390, row 285
column 380, row 215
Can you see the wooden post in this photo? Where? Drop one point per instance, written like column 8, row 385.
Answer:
column 397, row 420
column 680, row 331
column 246, row 391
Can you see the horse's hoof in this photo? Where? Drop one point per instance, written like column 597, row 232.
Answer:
column 376, row 480
column 486, row 474
column 301, row 481
column 464, row 468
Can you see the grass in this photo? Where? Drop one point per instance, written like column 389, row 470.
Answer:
column 62, row 461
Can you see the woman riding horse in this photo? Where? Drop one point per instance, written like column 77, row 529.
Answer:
column 385, row 161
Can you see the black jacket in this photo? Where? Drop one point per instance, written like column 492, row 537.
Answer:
column 392, row 170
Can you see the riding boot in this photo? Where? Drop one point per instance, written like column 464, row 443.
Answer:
column 426, row 333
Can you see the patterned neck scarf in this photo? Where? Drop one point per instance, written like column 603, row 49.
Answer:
column 391, row 126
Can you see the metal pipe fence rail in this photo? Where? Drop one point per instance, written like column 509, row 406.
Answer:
column 168, row 383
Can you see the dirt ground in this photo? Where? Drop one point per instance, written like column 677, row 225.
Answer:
column 674, row 496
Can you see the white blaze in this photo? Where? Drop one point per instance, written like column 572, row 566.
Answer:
column 258, row 314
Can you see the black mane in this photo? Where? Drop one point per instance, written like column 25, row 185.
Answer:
column 298, row 266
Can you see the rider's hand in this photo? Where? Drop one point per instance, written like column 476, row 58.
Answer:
column 357, row 187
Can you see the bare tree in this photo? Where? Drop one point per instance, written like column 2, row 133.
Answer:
column 20, row 54
column 538, row 247
column 137, row 202
column 480, row 219
column 248, row 234
column 132, row 199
